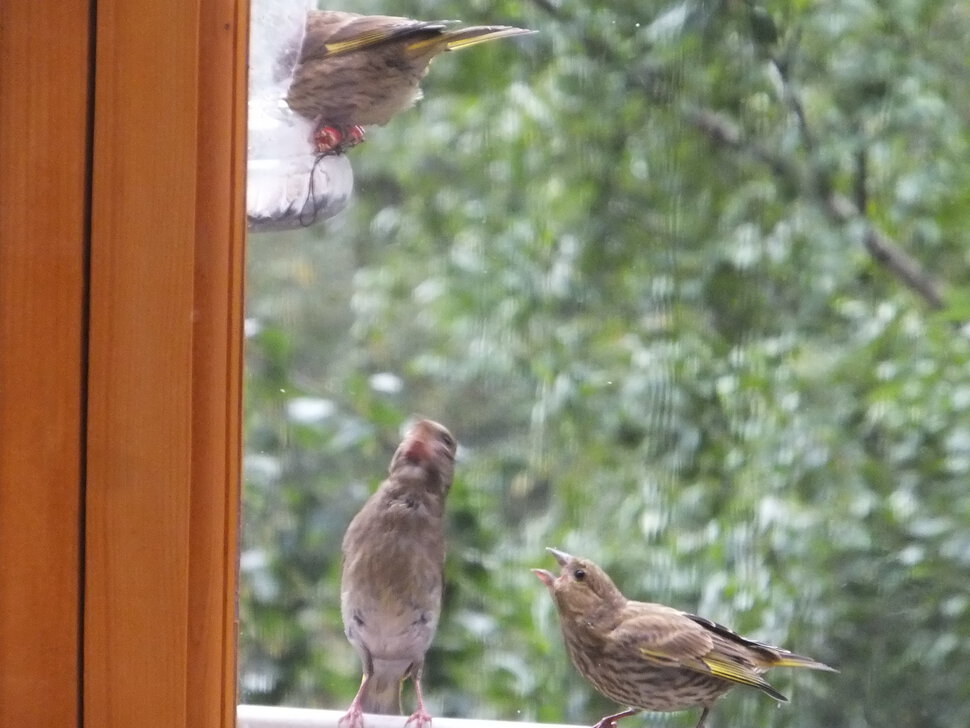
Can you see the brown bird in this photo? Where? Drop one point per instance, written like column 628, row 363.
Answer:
column 356, row 70
column 393, row 559
column 652, row 657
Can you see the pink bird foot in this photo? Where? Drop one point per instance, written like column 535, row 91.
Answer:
column 419, row 719
column 353, row 718
column 336, row 140
column 610, row 721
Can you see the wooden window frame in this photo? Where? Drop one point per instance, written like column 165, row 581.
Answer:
column 122, row 227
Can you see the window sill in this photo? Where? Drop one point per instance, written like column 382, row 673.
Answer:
column 265, row 716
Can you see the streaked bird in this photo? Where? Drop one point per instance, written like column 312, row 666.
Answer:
column 650, row 656
column 357, row 70
column 391, row 583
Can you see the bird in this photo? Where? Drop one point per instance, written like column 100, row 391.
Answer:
column 392, row 573
column 650, row 656
column 356, row 70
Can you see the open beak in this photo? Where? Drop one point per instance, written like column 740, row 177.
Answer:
column 561, row 556
column 416, row 450
column 546, row 577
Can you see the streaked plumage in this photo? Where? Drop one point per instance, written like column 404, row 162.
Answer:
column 357, row 70
column 650, row 656
column 393, row 560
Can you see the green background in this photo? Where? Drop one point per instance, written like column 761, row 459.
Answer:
column 689, row 283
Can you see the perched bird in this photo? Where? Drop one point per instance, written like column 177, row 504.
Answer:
column 652, row 657
column 356, row 70
column 393, row 558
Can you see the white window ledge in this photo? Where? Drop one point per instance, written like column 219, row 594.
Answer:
column 264, row 716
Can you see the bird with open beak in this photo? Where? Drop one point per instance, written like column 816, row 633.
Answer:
column 393, row 562
column 650, row 656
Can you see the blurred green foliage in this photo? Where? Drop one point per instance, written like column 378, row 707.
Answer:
column 608, row 258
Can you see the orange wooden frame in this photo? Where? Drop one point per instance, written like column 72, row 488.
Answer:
column 43, row 192
column 122, row 165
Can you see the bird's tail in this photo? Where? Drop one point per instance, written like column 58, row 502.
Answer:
column 766, row 656
column 784, row 658
column 452, row 40
column 382, row 694
column 727, row 667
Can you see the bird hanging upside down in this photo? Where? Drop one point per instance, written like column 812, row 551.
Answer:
column 357, row 70
column 652, row 657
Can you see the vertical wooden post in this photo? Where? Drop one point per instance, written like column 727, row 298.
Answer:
column 165, row 343
column 44, row 100
column 121, row 270
column 217, row 361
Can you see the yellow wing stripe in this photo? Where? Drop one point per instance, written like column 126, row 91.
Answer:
column 355, row 44
column 465, row 37
column 723, row 669
column 734, row 672
column 799, row 661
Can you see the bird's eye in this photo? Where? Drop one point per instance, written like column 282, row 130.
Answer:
column 579, row 574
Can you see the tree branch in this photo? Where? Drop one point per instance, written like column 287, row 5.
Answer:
column 885, row 252
column 811, row 181
column 839, row 208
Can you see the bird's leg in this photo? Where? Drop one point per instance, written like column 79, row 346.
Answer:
column 354, row 717
column 420, row 718
column 700, row 723
column 610, row 720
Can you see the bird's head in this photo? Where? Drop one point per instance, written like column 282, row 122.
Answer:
column 427, row 453
column 582, row 588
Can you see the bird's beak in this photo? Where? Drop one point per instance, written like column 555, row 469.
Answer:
column 546, row 577
column 561, row 556
column 416, row 450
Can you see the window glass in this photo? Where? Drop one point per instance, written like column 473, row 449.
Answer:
column 687, row 282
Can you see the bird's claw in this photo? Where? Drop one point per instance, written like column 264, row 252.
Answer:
column 355, row 135
column 419, row 719
column 610, row 721
column 353, row 718
column 336, row 140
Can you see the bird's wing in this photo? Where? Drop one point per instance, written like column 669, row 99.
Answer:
column 465, row 37
column 738, row 658
column 669, row 638
column 331, row 34
column 762, row 654
column 728, row 634
column 661, row 634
